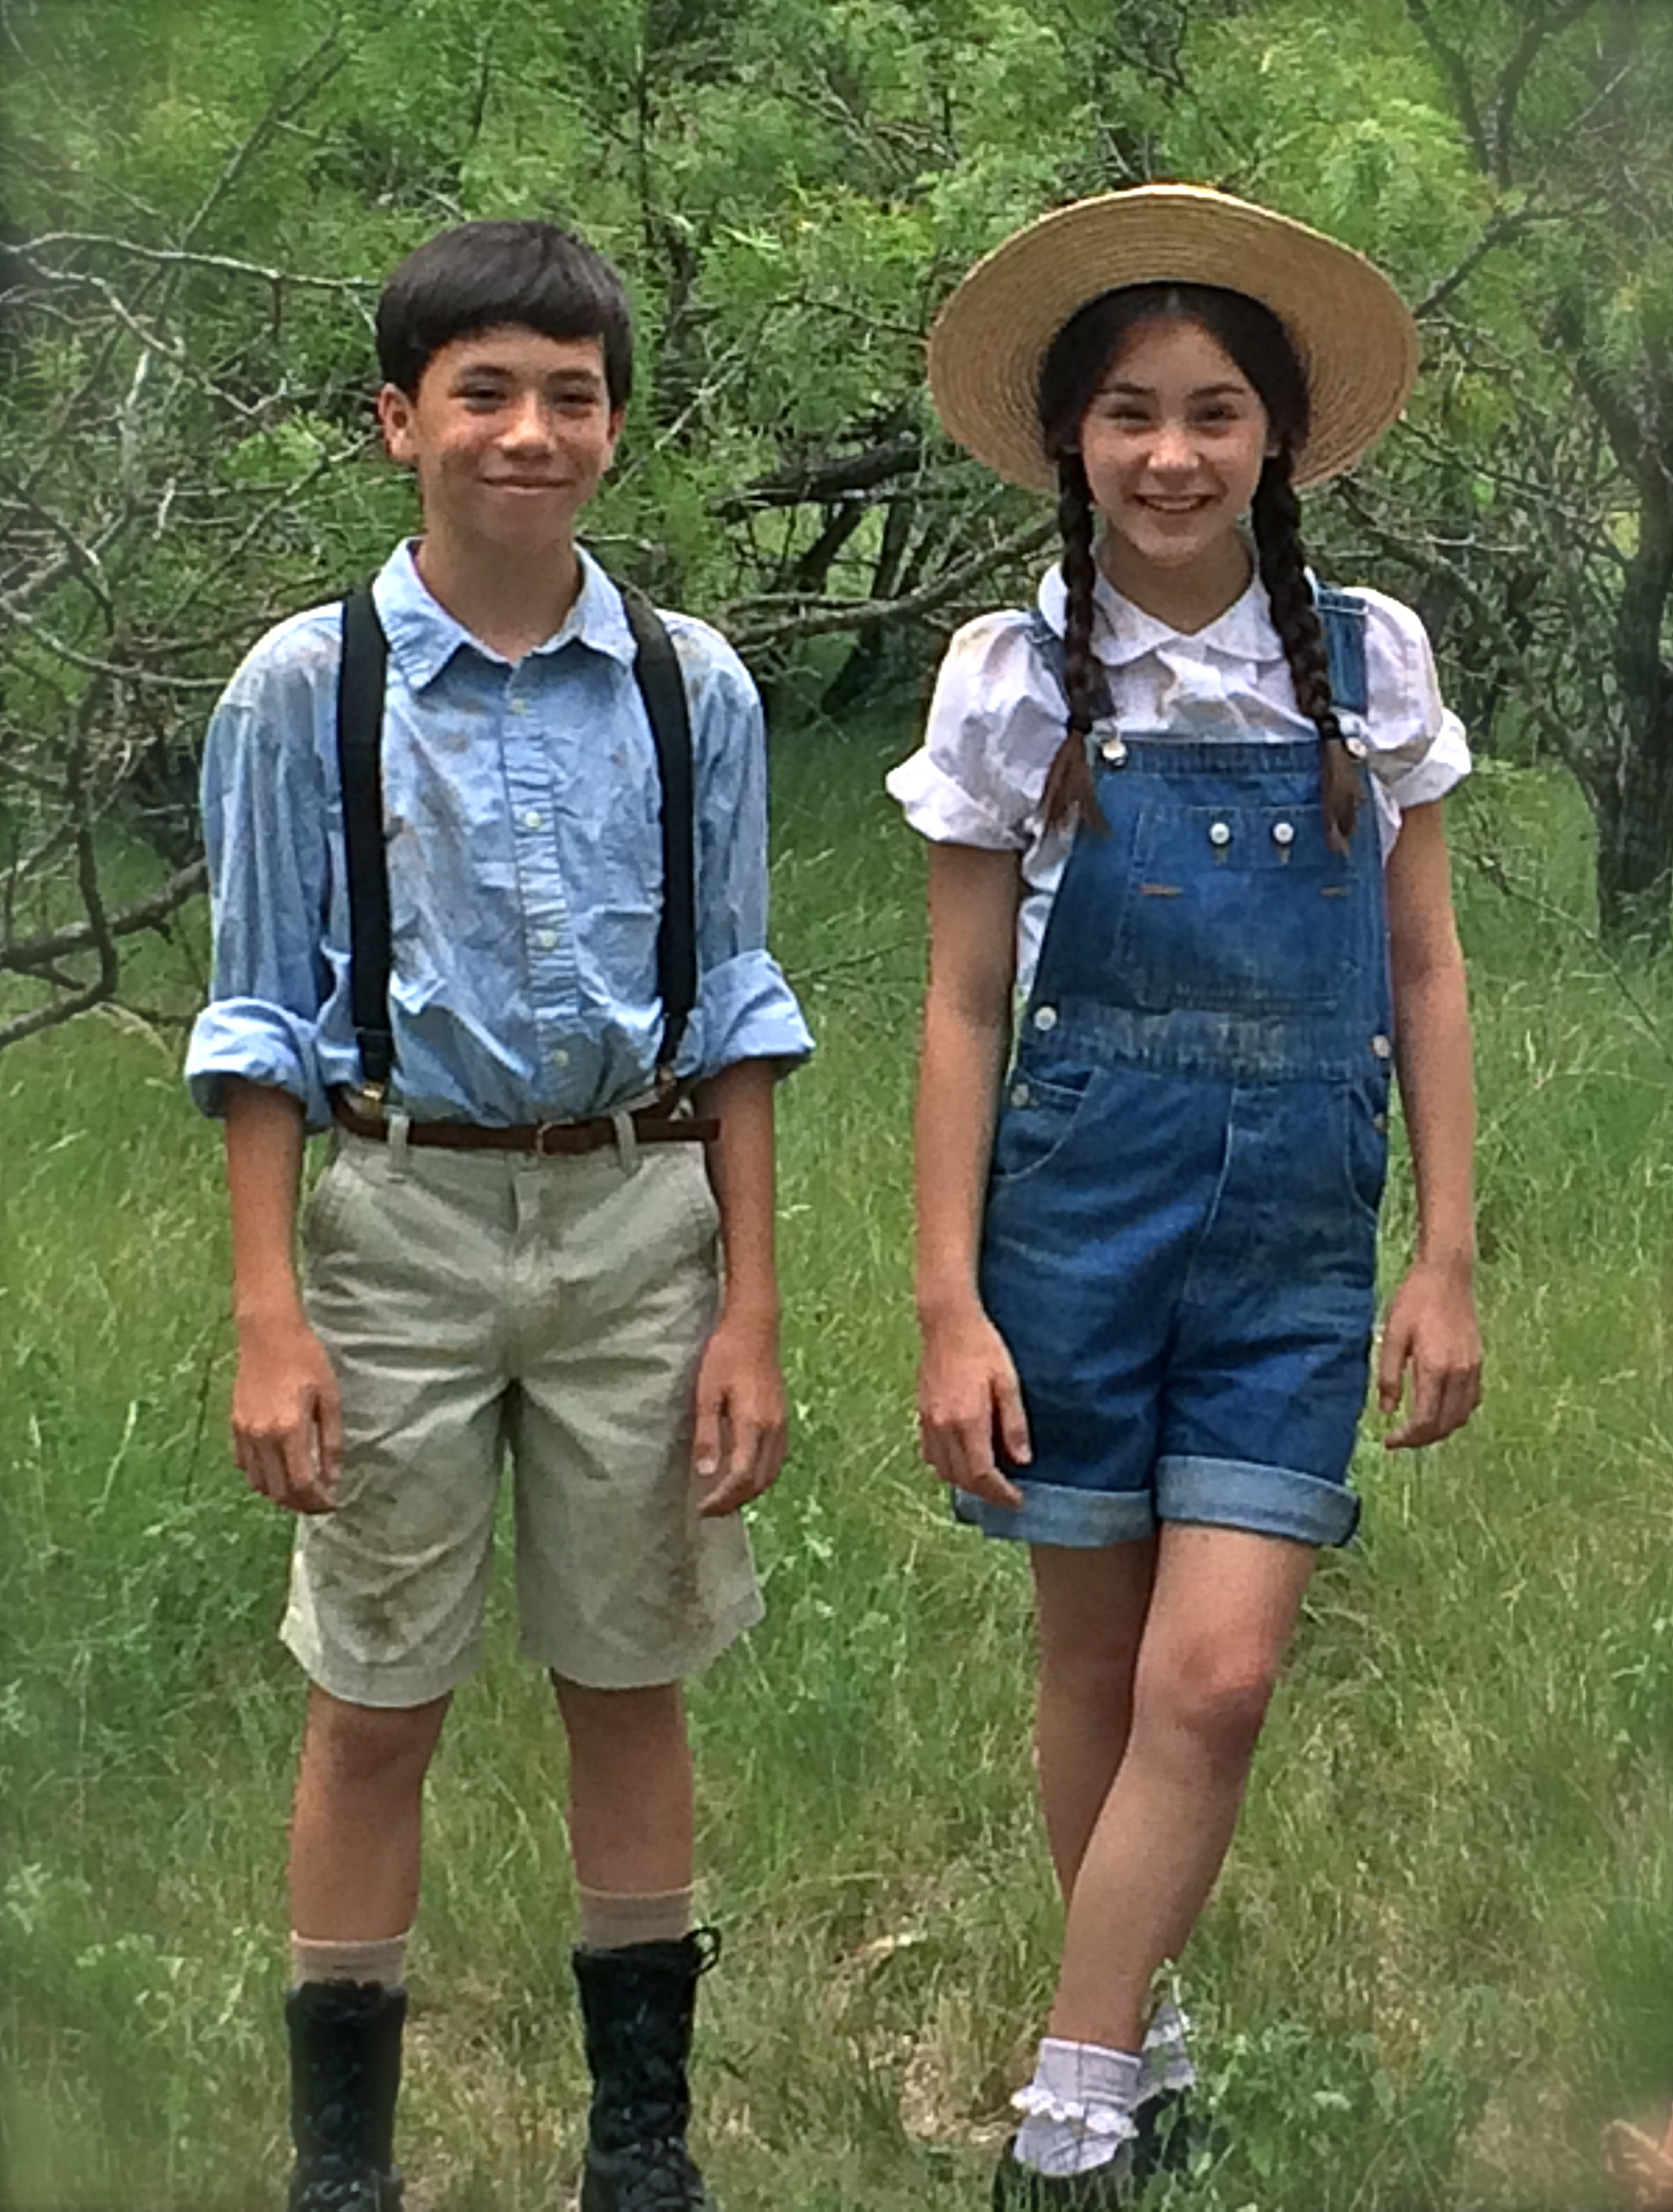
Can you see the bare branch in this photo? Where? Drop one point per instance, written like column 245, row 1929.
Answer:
column 1541, row 28
column 177, row 258
column 820, row 618
column 29, row 955
column 119, row 671
column 1456, row 71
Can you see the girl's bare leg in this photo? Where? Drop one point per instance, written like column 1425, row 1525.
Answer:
column 1223, row 1607
column 1090, row 1609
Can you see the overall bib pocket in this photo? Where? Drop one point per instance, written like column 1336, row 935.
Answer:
column 1236, row 908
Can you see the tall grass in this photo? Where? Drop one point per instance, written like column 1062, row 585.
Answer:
column 1441, row 1953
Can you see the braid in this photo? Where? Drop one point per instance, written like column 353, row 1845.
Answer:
column 1069, row 783
column 1276, row 516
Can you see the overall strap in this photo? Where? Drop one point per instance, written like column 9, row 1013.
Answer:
column 360, row 744
column 1343, row 616
column 661, row 686
column 1047, row 643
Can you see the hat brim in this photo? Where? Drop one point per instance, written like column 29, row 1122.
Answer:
column 1355, row 336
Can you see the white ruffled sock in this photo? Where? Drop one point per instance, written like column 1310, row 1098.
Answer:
column 1079, row 2107
column 1165, row 2063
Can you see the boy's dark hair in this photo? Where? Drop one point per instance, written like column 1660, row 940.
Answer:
column 479, row 275
column 1079, row 358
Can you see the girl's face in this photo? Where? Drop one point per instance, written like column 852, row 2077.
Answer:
column 1174, row 442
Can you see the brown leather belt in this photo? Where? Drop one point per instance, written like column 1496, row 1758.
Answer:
column 652, row 1124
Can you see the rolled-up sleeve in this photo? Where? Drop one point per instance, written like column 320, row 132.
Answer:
column 265, row 834
column 745, row 1010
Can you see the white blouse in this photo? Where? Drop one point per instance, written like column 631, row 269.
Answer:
column 997, row 721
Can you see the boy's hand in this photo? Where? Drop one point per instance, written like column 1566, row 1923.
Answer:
column 1431, row 1329
column 968, row 1391
column 286, row 1415
column 742, row 1426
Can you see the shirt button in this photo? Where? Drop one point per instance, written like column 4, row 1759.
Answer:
column 1380, row 1122
column 1284, row 832
column 520, row 706
column 1113, row 751
column 1381, row 1047
column 561, row 1058
column 1220, row 834
column 546, row 939
column 533, row 819
column 1019, row 1094
column 1045, row 1017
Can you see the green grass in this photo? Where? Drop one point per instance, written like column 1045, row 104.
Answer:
column 1443, row 1951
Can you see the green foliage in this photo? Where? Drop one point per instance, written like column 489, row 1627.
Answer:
column 1439, row 1956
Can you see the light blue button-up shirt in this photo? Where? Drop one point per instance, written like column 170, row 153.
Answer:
column 522, row 811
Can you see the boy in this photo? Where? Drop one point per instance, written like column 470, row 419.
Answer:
column 514, row 1243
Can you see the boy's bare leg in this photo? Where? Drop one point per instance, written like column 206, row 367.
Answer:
column 1221, row 1615
column 354, row 1840
column 1089, row 1617
column 630, row 1787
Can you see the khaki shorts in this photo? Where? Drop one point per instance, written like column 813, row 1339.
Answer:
column 480, row 1303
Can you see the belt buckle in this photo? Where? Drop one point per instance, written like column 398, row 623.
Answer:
column 540, row 1146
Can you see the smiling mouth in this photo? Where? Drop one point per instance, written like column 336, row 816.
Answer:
column 1176, row 506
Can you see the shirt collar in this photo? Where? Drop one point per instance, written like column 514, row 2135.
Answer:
column 423, row 637
column 1123, row 633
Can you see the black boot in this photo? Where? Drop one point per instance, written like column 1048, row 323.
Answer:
column 1168, row 2138
column 344, row 2071
column 637, row 2005
column 1106, row 2189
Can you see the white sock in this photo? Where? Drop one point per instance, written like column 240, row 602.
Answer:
column 1079, row 2107
column 1166, row 2063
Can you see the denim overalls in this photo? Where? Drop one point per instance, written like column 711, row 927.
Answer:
column 1179, row 1246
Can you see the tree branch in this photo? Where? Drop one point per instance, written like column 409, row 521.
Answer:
column 820, row 618
column 29, row 955
column 1456, row 71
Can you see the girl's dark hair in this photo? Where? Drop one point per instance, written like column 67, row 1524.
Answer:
column 1075, row 364
column 479, row 275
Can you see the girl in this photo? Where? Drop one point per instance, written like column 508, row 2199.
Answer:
column 1187, row 811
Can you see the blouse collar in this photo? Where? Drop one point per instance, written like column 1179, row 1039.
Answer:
column 1123, row 633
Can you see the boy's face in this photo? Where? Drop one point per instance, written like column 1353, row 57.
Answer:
column 508, row 432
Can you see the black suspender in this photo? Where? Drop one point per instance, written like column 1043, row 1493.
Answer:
column 359, row 740
column 655, row 669
column 360, row 747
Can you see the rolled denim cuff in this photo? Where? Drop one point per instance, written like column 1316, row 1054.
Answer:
column 1060, row 1513
column 1268, row 1502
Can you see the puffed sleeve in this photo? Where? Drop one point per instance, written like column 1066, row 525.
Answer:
column 993, row 727
column 1417, row 746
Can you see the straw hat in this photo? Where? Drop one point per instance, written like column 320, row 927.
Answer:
column 1354, row 334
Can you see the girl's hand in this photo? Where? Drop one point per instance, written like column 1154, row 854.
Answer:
column 1431, row 1329
column 967, row 1393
